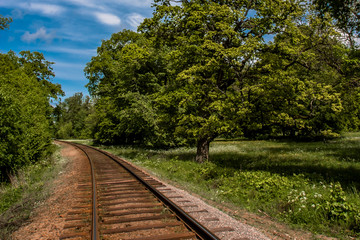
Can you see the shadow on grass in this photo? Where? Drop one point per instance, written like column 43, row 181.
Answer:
column 327, row 162
column 348, row 176
column 318, row 161
column 343, row 164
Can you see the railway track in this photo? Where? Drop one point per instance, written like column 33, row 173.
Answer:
column 115, row 200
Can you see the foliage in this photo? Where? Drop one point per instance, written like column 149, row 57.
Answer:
column 295, row 89
column 125, row 78
column 4, row 22
column 326, row 203
column 346, row 14
column 25, row 92
column 73, row 117
column 350, row 90
column 200, row 69
column 212, row 47
column 35, row 65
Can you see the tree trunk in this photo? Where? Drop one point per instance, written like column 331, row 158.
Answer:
column 202, row 153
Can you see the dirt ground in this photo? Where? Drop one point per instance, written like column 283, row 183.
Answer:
column 47, row 221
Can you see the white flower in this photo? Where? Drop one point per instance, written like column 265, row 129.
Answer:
column 317, row 195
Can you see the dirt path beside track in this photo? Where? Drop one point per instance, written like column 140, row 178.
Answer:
column 47, row 221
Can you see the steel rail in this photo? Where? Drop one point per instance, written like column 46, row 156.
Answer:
column 189, row 221
column 94, row 229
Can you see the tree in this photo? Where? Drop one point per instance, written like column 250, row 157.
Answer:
column 299, row 78
column 24, row 121
column 213, row 44
column 4, row 22
column 200, row 69
column 25, row 91
column 347, row 18
column 126, row 77
column 34, row 63
column 346, row 13
column 71, row 117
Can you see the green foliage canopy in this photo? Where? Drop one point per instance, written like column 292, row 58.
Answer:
column 24, row 121
column 25, row 91
column 73, row 118
column 125, row 77
column 202, row 69
column 346, row 14
column 213, row 45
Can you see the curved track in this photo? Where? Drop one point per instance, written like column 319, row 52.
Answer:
column 118, row 201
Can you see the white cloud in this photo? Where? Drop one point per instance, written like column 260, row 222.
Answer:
column 47, row 9
column 135, row 19
column 17, row 14
column 85, row 3
column 67, row 65
column 108, row 18
column 40, row 34
column 77, row 51
column 134, row 3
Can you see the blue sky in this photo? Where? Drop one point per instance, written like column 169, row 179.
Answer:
column 68, row 32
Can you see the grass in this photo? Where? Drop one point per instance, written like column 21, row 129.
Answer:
column 27, row 190
column 310, row 185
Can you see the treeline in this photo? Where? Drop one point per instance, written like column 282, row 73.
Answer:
column 74, row 118
column 198, row 70
column 25, row 110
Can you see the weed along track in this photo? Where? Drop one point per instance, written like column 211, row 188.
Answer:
column 118, row 201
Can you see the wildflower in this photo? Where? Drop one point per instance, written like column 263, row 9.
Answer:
column 317, row 195
column 313, row 205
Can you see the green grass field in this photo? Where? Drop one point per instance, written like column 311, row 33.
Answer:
column 310, row 185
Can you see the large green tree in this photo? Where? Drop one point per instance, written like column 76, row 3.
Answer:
column 203, row 68
column 213, row 46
